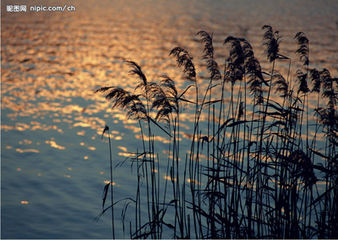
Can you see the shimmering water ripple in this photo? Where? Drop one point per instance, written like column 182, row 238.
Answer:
column 54, row 164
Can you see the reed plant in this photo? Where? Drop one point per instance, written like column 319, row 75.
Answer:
column 255, row 167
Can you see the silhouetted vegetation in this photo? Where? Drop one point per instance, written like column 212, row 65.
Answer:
column 255, row 169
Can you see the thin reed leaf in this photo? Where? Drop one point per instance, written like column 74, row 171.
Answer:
column 104, row 194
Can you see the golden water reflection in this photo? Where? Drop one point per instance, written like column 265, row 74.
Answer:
column 54, row 76
column 27, row 150
column 54, row 144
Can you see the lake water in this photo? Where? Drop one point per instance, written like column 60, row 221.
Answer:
column 53, row 163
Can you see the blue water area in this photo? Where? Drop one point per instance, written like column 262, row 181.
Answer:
column 54, row 161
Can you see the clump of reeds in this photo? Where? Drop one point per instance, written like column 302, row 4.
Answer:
column 253, row 169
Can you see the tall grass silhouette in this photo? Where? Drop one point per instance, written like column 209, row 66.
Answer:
column 255, row 167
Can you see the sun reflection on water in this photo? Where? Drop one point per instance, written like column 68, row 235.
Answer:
column 27, row 150
column 54, row 144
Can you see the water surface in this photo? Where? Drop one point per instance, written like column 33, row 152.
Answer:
column 53, row 162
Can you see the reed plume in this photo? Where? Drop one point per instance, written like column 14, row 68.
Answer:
column 256, row 79
column 125, row 100
column 208, row 50
column 303, row 47
column 166, row 101
column 316, row 80
column 282, row 86
column 271, row 41
column 136, row 70
column 302, row 78
column 236, row 59
column 184, row 59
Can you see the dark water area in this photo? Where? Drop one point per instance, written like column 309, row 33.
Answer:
column 54, row 164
